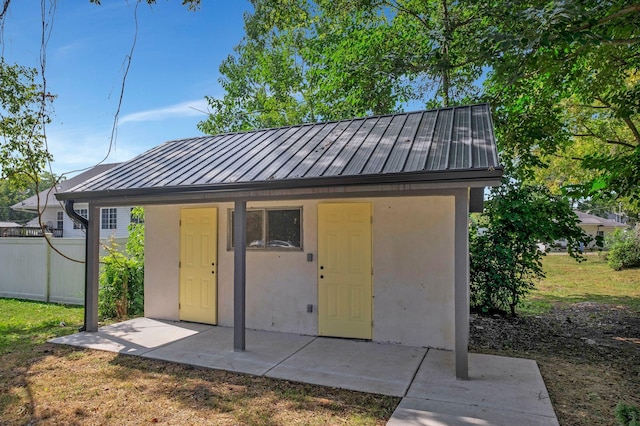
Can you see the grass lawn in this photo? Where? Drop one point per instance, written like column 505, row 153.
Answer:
column 42, row 383
column 569, row 282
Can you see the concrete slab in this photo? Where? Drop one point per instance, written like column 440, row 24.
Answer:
column 425, row 412
column 362, row 366
column 135, row 336
column 496, row 383
column 214, row 349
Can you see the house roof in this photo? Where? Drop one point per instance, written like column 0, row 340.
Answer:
column 449, row 144
column 47, row 197
column 9, row 225
column 589, row 219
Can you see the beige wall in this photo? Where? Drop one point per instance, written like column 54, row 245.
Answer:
column 413, row 279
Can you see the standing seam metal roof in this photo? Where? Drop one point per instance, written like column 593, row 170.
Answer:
column 448, row 139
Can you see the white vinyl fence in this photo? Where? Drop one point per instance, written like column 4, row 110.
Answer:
column 30, row 269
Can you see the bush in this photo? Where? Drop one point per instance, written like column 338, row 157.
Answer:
column 624, row 249
column 628, row 415
column 121, row 292
column 505, row 261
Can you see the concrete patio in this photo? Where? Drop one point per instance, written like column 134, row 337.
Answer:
column 500, row 391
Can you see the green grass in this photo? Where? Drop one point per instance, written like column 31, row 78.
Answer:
column 568, row 281
column 25, row 324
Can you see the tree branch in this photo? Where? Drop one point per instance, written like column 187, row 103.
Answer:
column 632, row 8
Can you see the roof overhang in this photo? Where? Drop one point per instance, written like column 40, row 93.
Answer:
column 398, row 184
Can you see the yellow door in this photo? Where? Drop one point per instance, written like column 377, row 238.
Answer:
column 344, row 270
column 198, row 265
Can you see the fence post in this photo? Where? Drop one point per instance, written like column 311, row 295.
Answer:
column 47, row 236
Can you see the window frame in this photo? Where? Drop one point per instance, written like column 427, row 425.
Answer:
column 60, row 220
column 265, row 211
column 112, row 220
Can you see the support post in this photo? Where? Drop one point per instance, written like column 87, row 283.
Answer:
column 461, row 292
column 239, row 273
column 92, row 271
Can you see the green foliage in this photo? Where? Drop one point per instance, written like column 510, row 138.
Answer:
column 565, row 88
column 628, row 415
column 624, row 249
column 121, row 291
column 305, row 61
column 505, row 258
column 23, row 114
column 12, row 192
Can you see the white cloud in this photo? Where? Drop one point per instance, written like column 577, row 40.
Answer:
column 183, row 109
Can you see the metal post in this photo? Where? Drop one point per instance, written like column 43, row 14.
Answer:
column 461, row 292
column 239, row 274
column 92, row 266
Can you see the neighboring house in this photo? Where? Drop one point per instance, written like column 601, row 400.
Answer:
column 114, row 221
column 354, row 229
column 597, row 226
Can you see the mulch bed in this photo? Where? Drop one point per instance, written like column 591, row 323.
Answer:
column 588, row 353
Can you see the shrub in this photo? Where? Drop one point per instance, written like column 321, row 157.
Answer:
column 505, row 261
column 628, row 415
column 121, row 292
column 624, row 249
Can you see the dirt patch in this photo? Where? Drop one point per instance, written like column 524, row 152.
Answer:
column 588, row 353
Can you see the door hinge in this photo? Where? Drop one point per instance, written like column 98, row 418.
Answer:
column 179, row 264
column 372, row 270
column 371, row 219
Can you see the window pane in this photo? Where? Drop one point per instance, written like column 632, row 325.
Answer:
column 283, row 228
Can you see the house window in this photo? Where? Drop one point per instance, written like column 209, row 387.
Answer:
column 271, row 229
column 109, row 218
column 60, row 217
column 600, row 234
column 135, row 218
column 82, row 212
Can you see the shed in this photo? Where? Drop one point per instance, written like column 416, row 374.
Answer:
column 354, row 228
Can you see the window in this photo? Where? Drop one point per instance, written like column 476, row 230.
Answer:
column 136, row 218
column 82, row 212
column 271, row 229
column 60, row 224
column 109, row 218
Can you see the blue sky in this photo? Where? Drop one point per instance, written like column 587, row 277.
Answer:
column 175, row 64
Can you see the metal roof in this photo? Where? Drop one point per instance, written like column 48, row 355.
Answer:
column 382, row 148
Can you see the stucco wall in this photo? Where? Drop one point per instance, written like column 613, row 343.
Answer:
column 413, row 285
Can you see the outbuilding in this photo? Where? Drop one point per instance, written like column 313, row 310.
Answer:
column 355, row 228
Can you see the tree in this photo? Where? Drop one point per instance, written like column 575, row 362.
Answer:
column 566, row 92
column 304, row 61
column 11, row 194
column 506, row 260
column 23, row 115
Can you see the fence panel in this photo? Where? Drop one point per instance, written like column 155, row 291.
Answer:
column 23, row 268
column 30, row 269
column 66, row 277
